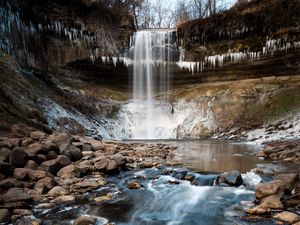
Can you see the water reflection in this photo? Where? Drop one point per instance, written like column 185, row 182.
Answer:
column 218, row 156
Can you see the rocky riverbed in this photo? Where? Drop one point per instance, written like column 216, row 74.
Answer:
column 49, row 177
column 42, row 171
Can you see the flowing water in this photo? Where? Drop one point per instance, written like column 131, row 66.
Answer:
column 160, row 202
column 152, row 54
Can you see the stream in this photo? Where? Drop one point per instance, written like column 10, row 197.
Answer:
column 166, row 199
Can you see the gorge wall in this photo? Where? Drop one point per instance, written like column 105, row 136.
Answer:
column 47, row 35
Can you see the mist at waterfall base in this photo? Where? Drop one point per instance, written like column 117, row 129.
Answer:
column 152, row 54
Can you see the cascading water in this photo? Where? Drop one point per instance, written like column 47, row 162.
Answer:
column 152, row 52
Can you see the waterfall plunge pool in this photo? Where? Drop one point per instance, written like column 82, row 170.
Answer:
column 165, row 199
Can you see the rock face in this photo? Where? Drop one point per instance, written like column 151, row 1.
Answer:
column 53, row 38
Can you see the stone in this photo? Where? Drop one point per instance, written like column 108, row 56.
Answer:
column 85, row 167
column 288, row 217
column 29, row 221
column 36, row 174
column 26, row 142
column 5, row 216
column 275, row 187
column 64, row 199
column 111, row 166
column 87, row 148
column 21, row 173
column 68, row 172
column 51, row 166
column 103, row 198
column 31, row 165
column 63, row 160
column 36, row 148
column 146, row 164
column 4, row 154
column 85, row 220
column 272, row 202
column 288, row 179
column 43, row 185
column 101, row 163
column 14, row 195
column 258, row 210
column 40, row 158
column 15, row 142
column 71, row 151
column 6, row 168
column 38, row 135
column 85, row 185
column 61, row 139
column 134, row 185
column 97, row 145
column 5, row 144
column 18, row 157
column 22, row 212
column 52, row 155
column 119, row 159
column 57, row 191
column 9, row 183
column 231, row 178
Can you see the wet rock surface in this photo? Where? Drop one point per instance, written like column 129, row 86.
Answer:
column 58, row 169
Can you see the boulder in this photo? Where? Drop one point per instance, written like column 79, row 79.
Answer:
column 52, row 155
column 275, row 187
column 4, row 154
column 18, row 157
column 119, row 159
column 85, row 186
column 85, row 167
column 15, row 142
column 5, row 143
column 31, row 165
column 36, row 148
column 103, row 198
column 288, row 217
column 22, row 212
column 101, row 163
column 36, row 174
column 85, row 220
column 42, row 186
column 231, row 178
column 26, row 142
column 15, row 195
column 61, row 139
column 5, row 215
column 63, row 160
column 57, row 191
column 134, row 185
column 146, row 164
column 272, row 202
column 29, row 221
column 21, row 173
column 87, row 148
column 97, row 145
column 68, row 172
column 10, row 183
column 288, row 179
column 40, row 158
column 71, row 151
column 6, row 168
column 112, row 167
column 51, row 166
column 38, row 135
column 257, row 210
column 63, row 199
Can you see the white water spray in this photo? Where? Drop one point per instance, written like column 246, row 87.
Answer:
column 151, row 75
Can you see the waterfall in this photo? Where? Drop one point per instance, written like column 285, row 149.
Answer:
column 151, row 76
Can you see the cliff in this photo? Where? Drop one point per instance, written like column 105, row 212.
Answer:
column 46, row 35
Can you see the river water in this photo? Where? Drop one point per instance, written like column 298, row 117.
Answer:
column 165, row 199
